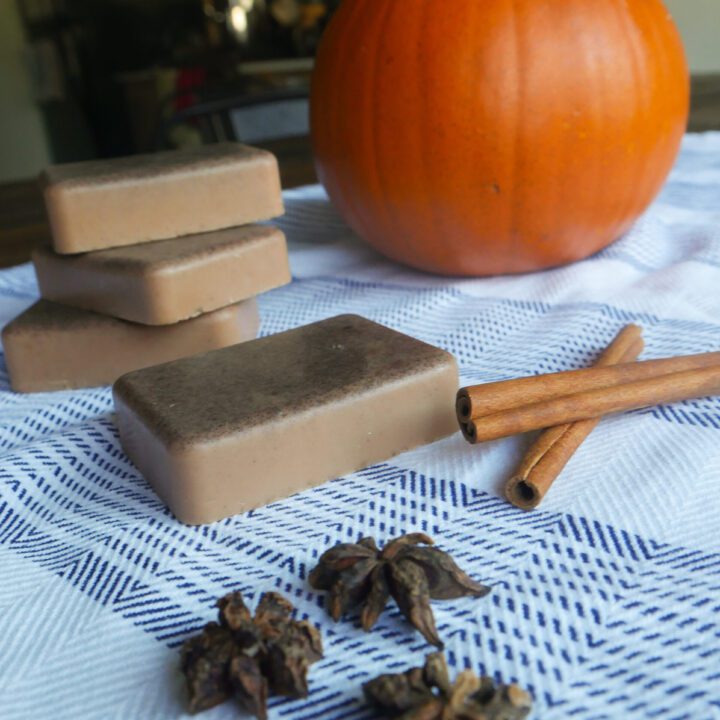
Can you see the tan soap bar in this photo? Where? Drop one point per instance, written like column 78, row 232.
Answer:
column 55, row 347
column 124, row 201
column 169, row 280
column 227, row 431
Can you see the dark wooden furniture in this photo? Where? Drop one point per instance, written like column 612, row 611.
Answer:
column 22, row 221
column 705, row 113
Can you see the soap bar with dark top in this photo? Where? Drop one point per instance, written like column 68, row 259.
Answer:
column 101, row 204
column 227, row 431
column 55, row 347
column 167, row 281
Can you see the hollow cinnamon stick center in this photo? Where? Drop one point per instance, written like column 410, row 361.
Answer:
column 463, row 406
column 523, row 493
column 469, row 431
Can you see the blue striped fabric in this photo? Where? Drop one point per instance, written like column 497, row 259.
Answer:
column 606, row 602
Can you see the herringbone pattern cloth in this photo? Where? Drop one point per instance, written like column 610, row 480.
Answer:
column 605, row 602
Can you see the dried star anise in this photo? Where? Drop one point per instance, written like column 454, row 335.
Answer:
column 248, row 656
column 361, row 574
column 427, row 694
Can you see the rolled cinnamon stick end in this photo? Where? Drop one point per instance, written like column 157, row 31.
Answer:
column 542, row 465
column 463, row 406
column 469, row 431
column 523, row 493
column 549, row 454
column 625, row 347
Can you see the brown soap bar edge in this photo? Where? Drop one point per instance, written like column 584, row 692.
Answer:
column 157, row 294
column 169, row 458
column 63, row 212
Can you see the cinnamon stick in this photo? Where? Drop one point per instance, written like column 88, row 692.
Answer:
column 487, row 399
column 616, row 397
column 553, row 448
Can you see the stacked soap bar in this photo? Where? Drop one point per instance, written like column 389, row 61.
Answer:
column 154, row 257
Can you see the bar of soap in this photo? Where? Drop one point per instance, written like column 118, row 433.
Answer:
column 101, row 204
column 55, row 347
column 167, row 281
column 230, row 430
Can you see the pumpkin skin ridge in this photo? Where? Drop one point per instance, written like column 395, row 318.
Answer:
column 408, row 212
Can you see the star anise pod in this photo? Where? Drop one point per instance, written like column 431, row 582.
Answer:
column 361, row 574
column 427, row 694
column 204, row 662
column 250, row 657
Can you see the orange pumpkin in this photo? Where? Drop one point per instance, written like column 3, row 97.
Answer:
column 477, row 137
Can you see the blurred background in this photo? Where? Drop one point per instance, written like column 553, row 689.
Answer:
column 83, row 79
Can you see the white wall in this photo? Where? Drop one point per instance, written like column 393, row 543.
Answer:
column 699, row 23
column 23, row 146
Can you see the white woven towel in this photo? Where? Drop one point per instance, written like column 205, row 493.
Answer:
column 605, row 605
